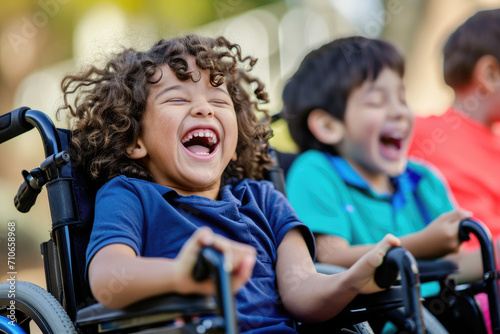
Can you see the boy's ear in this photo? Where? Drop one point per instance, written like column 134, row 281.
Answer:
column 137, row 150
column 487, row 73
column 326, row 128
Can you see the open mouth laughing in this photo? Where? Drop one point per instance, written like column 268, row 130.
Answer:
column 391, row 146
column 391, row 142
column 200, row 142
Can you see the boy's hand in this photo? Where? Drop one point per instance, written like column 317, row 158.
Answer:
column 240, row 259
column 441, row 234
column 363, row 271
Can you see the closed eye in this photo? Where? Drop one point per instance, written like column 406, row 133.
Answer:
column 176, row 100
column 220, row 102
column 375, row 99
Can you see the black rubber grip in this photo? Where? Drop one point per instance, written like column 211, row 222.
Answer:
column 209, row 260
column 13, row 124
column 387, row 273
column 26, row 195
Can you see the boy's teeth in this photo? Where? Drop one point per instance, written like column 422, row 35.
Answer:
column 203, row 134
column 200, row 134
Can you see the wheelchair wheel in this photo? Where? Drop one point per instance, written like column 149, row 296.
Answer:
column 363, row 328
column 432, row 324
column 32, row 303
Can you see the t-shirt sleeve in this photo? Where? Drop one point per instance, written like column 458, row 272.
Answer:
column 314, row 190
column 118, row 218
column 282, row 218
column 433, row 190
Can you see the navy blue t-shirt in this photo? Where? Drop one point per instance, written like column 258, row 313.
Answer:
column 156, row 222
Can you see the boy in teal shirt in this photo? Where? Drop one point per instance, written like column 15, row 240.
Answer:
column 352, row 203
column 346, row 110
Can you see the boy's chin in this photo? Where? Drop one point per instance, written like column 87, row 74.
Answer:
column 397, row 169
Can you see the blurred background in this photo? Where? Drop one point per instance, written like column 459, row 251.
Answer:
column 42, row 40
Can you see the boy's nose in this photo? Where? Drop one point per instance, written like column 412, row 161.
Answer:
column 401, row 111
column 202, row 109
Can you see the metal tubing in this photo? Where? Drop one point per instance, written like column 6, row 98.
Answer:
column 489, row 266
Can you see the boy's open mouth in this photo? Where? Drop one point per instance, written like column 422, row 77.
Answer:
column 391, row 146
column 201, row 142
column 391, row 142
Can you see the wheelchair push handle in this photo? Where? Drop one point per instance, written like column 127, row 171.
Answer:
column 23, row 119
column 13, row 124
column 387, row 273
column 209, row 260
column 399, row 262
column 490, row 273
column 211, row 264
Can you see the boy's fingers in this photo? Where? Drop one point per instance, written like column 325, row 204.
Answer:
column 224, row 245
column 204, row 235
column 381, row 249
column 243, row 272
column 201, row 237
column 458, row 214
column 464, row 214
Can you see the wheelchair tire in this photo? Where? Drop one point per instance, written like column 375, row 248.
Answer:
column 363, row 328
column 35, row 303
column 432, row 324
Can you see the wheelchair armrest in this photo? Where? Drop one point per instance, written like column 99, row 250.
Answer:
column 436, row 270
column 364, row 305
column 164, row 309
column 429, row 270
column 399, row 267
column 376, row 302
column 360, row 309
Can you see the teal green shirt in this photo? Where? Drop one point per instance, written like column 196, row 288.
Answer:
column 332, row 198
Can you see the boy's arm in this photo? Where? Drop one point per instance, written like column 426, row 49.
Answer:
column 118, row 277
column 313, row 297
column 470, row 265
column 438, row 239
column 335, row 250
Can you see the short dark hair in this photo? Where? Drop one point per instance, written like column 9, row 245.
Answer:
column 476, row 37
column 106, row 105
column 327, row 76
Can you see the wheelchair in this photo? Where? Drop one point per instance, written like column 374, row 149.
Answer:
column 67, row 305
column 455, row 307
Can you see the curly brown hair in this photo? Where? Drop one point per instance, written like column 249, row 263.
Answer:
column 106, row 105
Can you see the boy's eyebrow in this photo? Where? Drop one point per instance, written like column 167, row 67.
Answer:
column 222, row 90
column 163, row 91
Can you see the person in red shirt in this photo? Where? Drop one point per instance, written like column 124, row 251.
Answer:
column 462, row 143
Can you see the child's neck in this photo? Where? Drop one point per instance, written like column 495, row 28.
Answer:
column 478, row 113
column 378, row 182
column 381, row 184
column 211, row 193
